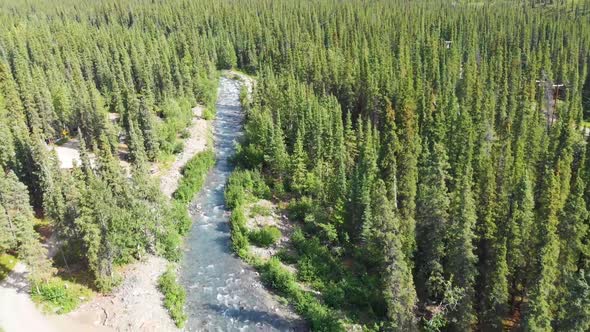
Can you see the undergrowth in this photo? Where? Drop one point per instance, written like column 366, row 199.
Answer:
column 174, row 296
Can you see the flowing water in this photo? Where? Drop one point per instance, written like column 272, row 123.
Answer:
column 223, row 293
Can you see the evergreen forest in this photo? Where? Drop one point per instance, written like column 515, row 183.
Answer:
column 433, row 156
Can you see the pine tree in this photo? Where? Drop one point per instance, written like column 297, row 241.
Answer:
column 226, row 56
column 432, row 216
column 576, row 306
column 365, row 175
column 299, row 165
column 461, row 259
column 279, row 158
column 573, row 229
column 385, row 240
column 389, row 149
column 407, row 169
column 7, row 153
column 146, row 123
column 351, row 145
column 519, row 231
column 17, row 221
column 539, row 315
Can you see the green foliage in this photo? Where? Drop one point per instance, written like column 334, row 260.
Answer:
column 280, row 279
column 209, row 113
column 239, row 231
column 445, row 106
column 226, row 55
column 243, row 186
column 170, row 246
column 301, row 208
column 59, row 296
column 193, row 176
column 17, row 234
column 265, row 236
column 7, row 263
column 286, row 256
column 260, row 210
column 107, row 283
column 174, row 296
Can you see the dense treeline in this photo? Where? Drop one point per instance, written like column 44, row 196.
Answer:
column 432, row 152
column 437, row 150
column 86, row 72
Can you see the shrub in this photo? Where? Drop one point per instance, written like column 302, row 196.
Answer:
column 243, row 185
column 178, row 147
column 59, row 296
column 181, row 218
column 170, row 246
column 306, row 271
column 185, row 134
column 174, row 296
column 7, row 263
column 238, row 220
column 205, row 89
column 240, row 243
column 249, row 156
column 234, row 196
column 244, row 98
column 321, row 317
column 299, row 209
column 260, row 210
column 334, row 295
column 286, row 256
column 106, row 284
column 266, row 236
column 193, row 176
column 277, row 277
column 177, row 116
column 209, row 113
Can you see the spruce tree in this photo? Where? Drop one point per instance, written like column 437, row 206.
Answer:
column 432, row 217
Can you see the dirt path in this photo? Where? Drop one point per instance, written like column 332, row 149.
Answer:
column 19, row 313
column 136, row 305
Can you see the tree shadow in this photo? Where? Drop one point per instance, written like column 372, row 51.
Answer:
column 17, row 280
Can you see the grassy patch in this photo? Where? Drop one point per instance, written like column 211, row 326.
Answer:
column 209, row 113
column 260, row 210
column 165, row 160
column 265, row 237
column 174, row 296
column 59, row 296
column 7, row 263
